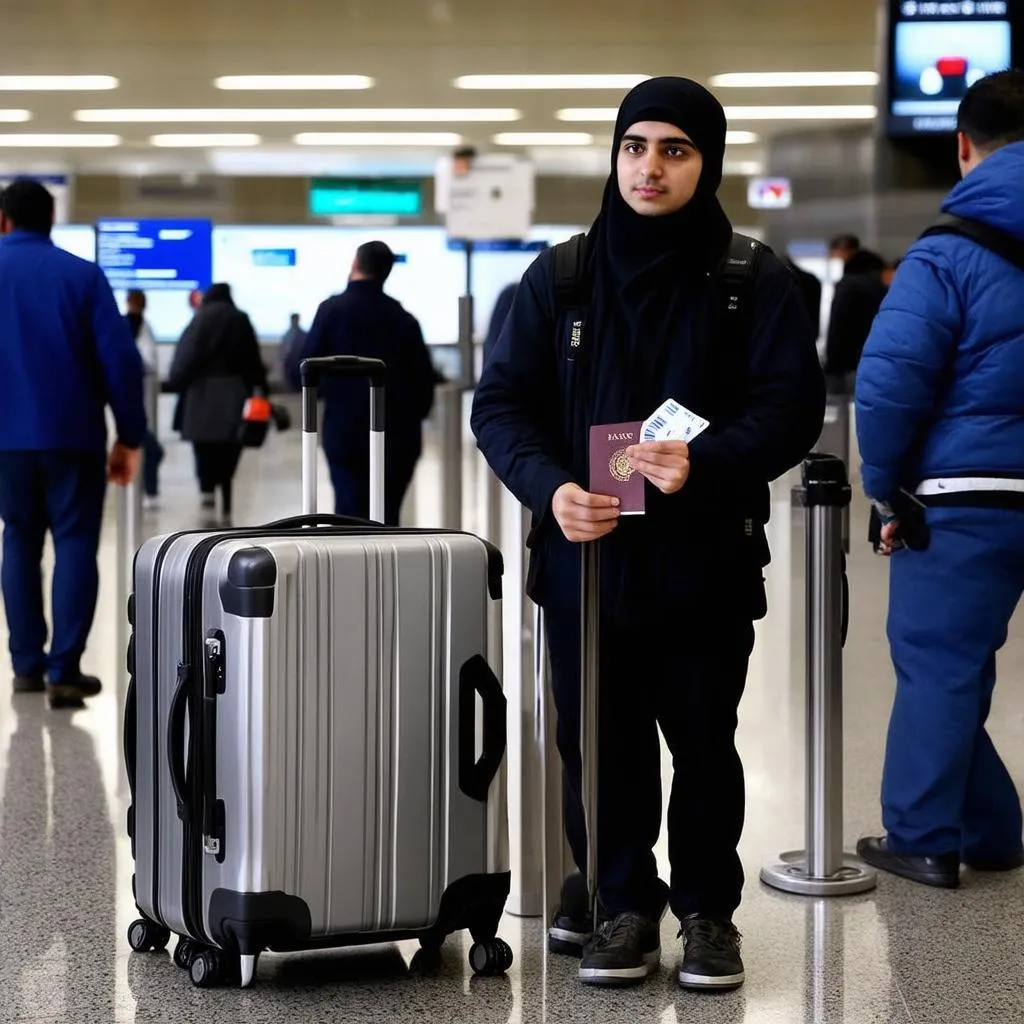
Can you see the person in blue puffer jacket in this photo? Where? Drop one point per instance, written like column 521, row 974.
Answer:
column 940, row 419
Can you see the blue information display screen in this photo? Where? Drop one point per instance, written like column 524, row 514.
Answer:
column 156, row 255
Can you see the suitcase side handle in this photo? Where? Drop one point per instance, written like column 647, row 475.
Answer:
column 320, row 519
column 176, row 722
column 475, row 777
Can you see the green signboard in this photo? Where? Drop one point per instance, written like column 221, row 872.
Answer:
column 338, row 197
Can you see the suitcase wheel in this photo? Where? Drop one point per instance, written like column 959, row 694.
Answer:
column 490, row 959
column 184, row 953
column 145, row 936
column 207, row 969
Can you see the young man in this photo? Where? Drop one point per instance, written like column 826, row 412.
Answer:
column 153, row 451
column 364, row 321
column 940, row 412
column 65, row 353
column 681, row 584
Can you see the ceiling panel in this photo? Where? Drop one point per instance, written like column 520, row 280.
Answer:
column 168, row 54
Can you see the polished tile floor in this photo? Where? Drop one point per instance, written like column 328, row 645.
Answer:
column 900, row 954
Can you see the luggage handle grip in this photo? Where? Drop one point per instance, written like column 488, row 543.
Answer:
column 475, row 777
column 311, row 370
column 321, row 519
column 176, row 722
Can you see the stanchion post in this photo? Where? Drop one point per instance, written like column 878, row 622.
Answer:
column 449, row 432
column 822, row 868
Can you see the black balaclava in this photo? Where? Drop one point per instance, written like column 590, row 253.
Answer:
column 649, row 270
column 695, row 236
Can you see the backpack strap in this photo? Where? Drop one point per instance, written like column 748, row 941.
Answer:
column 1002, row 243
column 570, row 271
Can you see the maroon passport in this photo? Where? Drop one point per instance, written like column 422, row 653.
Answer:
column 610, row 471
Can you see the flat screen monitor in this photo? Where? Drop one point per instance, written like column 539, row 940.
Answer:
column 937, row 50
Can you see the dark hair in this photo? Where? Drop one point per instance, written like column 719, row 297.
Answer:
column 991, row 115
column 136, row 295
column 28, row 205
column 375, row 260
column 845, row 242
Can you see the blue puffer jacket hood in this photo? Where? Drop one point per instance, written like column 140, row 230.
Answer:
column 993, row 192
column 940, row 387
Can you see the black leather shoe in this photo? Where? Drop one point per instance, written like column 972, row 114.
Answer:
column 940, row 870
column 29, row 684
column 71, row 692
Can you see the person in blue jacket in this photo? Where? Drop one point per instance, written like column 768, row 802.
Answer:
column 65, row 354
column 364, row 321
column 940, row 416
column 683, row 583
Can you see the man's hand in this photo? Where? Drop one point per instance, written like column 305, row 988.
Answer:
column 665, row 463
column 123, row 464
column 584, row 516
column 890, row 543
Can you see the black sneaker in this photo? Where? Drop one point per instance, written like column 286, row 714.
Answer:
column 29, row 684
column 571, row 928
column 71, row 692
column 711, row 957
column 623, row 950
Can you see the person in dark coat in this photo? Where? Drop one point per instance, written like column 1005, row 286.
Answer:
column 216, row 367
column 681, row 584
column 364, row 321
column 858, row 298
column 809, row 286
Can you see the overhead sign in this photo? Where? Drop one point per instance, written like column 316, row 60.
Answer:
column 499, row 245
column 770, row 194
column 156, row 255
column 339, row 197
column 489, row 197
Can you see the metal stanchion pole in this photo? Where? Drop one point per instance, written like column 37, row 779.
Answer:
column 449, row 433
column 822, row 868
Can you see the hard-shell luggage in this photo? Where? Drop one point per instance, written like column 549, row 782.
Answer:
column 315, row 733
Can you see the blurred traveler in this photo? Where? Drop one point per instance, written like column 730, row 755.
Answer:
column 855, row 304
column 65, row 353
column 842, row 247
column 294, row 339
column 364, row 321
column 153, row 452
column 940, row 417
column 217, row 366
column 683, row 582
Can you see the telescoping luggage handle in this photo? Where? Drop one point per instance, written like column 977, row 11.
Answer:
column 311, row 372
column 590, row 646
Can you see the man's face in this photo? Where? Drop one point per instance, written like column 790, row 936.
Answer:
column 659, row 168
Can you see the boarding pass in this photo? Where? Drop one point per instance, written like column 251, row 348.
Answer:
column 673, row 422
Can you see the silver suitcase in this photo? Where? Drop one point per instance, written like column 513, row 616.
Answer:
column 315, row 733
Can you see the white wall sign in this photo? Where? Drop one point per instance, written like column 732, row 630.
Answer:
column 493, row 199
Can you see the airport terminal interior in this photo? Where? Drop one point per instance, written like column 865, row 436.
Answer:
column 269, row 183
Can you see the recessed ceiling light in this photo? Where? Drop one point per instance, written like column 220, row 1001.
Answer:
column 30, row 140
column 287, row 115
column 309, row 83
column 734, row 138
column 743, row 168
column 543, row 139
column 793, row 79
column 549, row 81
column 15, row 116
column 200, row 140
column 57, row 83
column 342, row 139
column 821, row 112
column 824, row 112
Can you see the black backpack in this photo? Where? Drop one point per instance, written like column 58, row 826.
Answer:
column 733, row 282
column 1002, row 243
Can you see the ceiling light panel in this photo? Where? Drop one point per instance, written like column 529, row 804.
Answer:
column 543, row 139
column 31, row 140
column 15, row 116
column 307, row 83
column 549, row 81
column 734, row 138
column 819, row 112
column 794, row 79
column 204, row 140
column 57, row 83
column 287, row 115
column 342, row 139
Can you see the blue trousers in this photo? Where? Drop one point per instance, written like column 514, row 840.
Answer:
column 945, row 788
column 351, row 483
column 61, row 492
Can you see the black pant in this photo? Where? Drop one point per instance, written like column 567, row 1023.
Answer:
column 216, row 464
column 687, row 677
